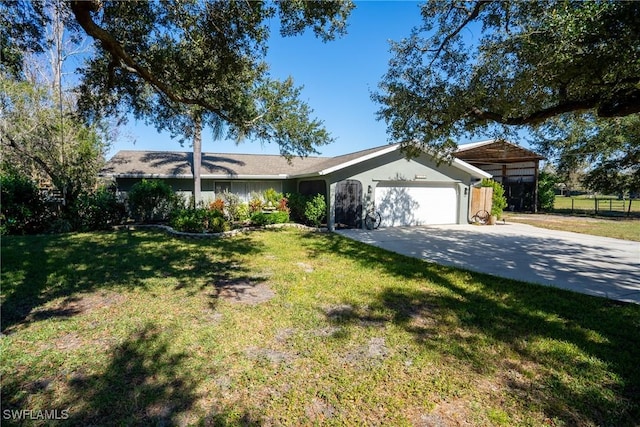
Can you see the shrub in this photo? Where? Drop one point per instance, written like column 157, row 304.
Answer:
column 198, row 220
column 260, row 218
column 277, row 217
column 499, row 201
column 255, row 205
column 282, row 205
column 272, row 196
column 218, row 225
column 151, row 201
column 296, row 203
column 187, row 220
column 235, row 209
column 217, row 205
column 23, row 211
column 98, row 211
column 546, row 191
column 315, row 210
column 242, row 212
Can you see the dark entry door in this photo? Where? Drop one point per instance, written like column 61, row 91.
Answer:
column 348, row 203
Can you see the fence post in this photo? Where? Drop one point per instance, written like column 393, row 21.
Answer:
column 595, row 199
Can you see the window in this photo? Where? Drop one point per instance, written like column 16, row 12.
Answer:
column 244, row 189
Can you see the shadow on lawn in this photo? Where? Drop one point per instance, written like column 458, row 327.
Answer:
column 143, row 384
column 584, row 349
column 39, row 269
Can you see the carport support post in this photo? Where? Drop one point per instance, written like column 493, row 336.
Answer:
column 535, row 188
column 331, row 207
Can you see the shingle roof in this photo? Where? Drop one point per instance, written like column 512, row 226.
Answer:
column 164, row 164
column 178, row 164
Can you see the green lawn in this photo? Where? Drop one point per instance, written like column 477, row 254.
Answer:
column 141, row 328
column 617, row 228
column 607, row 205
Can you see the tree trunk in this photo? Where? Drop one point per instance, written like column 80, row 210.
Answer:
column 197, row 156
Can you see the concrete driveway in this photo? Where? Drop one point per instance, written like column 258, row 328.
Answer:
column 591, row 265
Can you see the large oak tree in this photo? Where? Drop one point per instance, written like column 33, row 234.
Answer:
column 185, row 65
column 474, row 64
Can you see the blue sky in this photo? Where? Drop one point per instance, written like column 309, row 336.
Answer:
column 338, row 78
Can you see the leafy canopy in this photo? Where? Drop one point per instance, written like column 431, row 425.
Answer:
column 609, row 148
column 474, row 64
column 179, row 65
column 43, row 138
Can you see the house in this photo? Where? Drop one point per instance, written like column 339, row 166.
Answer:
column 417, row 191
column 515, row 167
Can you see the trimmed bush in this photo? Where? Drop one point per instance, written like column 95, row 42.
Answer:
column 259, row 219
column 198, row 220
column 262, row 219
column 152, row 201
column 278, row 217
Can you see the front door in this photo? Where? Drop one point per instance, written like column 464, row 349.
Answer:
column 348, row 204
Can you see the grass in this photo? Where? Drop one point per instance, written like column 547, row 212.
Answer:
column 140, row 328
column 617, row 228
column 607, row 205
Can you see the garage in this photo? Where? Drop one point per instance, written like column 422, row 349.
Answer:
column 411, row 203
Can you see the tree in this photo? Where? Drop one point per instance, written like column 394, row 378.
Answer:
column 611, row 148
column 41, row 135
column 546, row 190
column 40, row 140
column 471, row 65
column 186, row 65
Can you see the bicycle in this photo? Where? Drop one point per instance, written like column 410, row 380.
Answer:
column 372, row 220
column 481, row 217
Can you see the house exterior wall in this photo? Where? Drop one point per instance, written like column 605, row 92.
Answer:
column 391, row 168
column 422, row 171
column 211, row 188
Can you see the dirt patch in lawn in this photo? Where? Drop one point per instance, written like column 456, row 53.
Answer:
column 243, row 291
column 76, row 305
column 273, row 356
column 318, row 410
column 375, row 350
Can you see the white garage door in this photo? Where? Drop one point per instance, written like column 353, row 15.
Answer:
column 410, row 205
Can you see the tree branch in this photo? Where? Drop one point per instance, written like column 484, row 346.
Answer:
column 470, row 17
column 14, row 144
column 82, row 12
column 626, row 104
